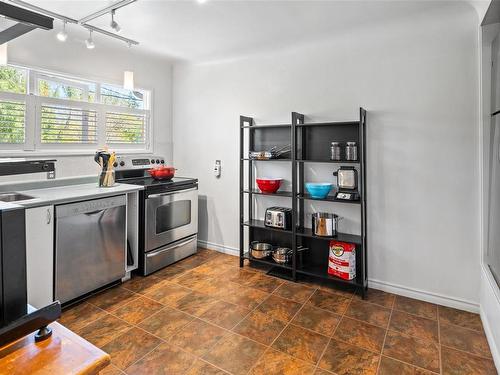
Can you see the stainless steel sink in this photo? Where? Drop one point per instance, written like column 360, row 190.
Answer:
column 14, row 197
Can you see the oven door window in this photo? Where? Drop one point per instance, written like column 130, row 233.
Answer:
column 173, row 215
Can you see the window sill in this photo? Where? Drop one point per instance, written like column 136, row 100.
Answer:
column 50, row 153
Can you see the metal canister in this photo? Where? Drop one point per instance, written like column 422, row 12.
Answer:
column 351, row 151
column 335, row 151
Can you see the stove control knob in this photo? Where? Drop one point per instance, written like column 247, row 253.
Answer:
column 122, row 163
column 152, row 161
column 163, row 161
column 115, row 164
column 157, row 161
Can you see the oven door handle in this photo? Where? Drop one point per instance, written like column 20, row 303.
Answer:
column 155, row 253
column 171, row 192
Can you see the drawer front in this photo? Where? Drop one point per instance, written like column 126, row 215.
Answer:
column 155, row 260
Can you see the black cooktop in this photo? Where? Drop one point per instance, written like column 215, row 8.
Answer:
column 150, row 181
column 156, row 186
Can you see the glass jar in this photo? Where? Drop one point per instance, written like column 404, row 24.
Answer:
column 335, row 151
column 351, row 151
column 107, row 178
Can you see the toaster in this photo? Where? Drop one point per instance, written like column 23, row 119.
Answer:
column 278, row 217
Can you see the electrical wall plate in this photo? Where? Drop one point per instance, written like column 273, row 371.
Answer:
column 217, row 168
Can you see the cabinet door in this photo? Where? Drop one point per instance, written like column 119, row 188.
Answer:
column 40, row 255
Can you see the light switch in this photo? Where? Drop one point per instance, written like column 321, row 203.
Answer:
column 217, row 168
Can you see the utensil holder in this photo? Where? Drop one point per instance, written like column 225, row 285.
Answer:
column 106, row 178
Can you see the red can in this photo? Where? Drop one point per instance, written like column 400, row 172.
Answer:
column 342, row 260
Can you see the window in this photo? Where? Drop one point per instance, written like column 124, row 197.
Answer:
column 63, row 88
column 68, row 125
column 12, row 122
column 114, row 95
column 13, row 80
column 125, row 128
column 48, row 111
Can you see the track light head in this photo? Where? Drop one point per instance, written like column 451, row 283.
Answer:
column 62, row 35
column 114, row 25
column 90, row 42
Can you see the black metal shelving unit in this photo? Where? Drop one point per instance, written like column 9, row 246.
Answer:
column 310, row 144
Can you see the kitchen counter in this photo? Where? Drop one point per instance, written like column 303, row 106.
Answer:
column 71, row 193
column 62, row 191
column 64, row 353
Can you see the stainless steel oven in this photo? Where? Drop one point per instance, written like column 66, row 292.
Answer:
column 168, row 213
column 170, row 216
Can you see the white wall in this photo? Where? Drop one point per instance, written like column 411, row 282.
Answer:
column 106, row 62
column 418, row 79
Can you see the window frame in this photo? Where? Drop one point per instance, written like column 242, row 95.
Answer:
column 32, row 134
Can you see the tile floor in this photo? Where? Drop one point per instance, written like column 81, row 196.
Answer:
column 205, row 315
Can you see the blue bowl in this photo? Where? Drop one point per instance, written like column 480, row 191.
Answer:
column 319, row 190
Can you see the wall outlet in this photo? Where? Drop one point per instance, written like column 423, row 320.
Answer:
column 51, row 175
column 217, row 168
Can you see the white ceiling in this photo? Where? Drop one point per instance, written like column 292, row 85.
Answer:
column 188, row 30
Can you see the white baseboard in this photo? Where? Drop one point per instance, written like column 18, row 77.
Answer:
column 220, row 248
column 377, row 284
column 422, row 295
column 490, row 313
column 489, row 336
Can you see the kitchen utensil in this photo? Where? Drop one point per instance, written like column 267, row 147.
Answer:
column 318, row 190
column 108, row 174
column 325, row 224
column 273, row 153
column 347, row 178
column 269, row 185
column 105, row 161
column 162, row 173
column 283, row 255
column 260, row 250
column 335, row 151
column 278, row 217
column 260, row 155
column 107, row 178
column 351, row 151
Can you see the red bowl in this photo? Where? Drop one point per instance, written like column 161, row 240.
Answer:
column 269, row 185
column 162, row 173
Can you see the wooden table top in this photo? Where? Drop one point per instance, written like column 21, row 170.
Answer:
column 63, row 353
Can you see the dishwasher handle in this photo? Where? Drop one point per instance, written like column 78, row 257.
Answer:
column 90, row 207
column 94, row 212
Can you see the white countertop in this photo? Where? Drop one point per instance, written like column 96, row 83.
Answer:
column 71, row 193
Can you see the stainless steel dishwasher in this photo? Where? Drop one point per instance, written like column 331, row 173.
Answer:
column 90, row 246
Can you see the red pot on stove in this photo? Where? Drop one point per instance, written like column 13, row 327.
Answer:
column 162, row 173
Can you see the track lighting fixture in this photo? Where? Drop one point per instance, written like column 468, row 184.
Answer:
column 90, row 42
column 62, row 35
column 114, row 25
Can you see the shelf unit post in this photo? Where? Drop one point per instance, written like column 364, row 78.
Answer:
column 297, row 118
column 364, row 239
column 243, row 120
